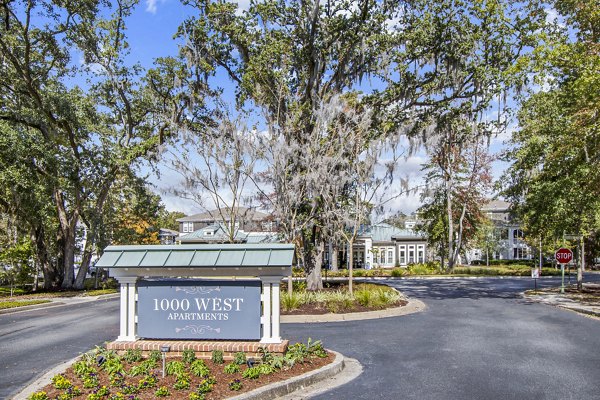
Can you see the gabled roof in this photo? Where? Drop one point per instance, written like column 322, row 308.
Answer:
column 244, row 214
column 214, row 233
column 198, row 256
column 496, row 206
column 383, row 232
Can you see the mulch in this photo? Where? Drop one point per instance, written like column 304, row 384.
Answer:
column 219, row 391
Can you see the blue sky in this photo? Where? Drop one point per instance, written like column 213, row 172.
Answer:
column 150, row 35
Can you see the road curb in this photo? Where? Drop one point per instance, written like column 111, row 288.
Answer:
column 31, row 307
column 412, row 307
column 43, row 380
column 288, row 387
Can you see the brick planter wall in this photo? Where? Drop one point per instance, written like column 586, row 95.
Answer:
column 203, row 349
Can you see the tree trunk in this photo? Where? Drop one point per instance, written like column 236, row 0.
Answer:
column 450, row 229
column 334, row 257
column 52, row 274
column 350, row 265
column 581, row 265
column 314, row 280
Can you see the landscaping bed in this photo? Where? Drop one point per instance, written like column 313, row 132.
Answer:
column 335, row 298
column 132, row 377
column 588, row 296
column 5, row 304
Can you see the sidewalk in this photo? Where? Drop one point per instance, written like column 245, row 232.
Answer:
column 58, row 301
column 587, row 302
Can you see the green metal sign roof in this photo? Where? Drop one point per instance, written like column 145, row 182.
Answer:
column 198, row 256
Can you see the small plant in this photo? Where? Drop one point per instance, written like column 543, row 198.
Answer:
column 155, row 356
column 239, row 358
column 99, row 394
column 60, row 382
column 142, row 368
column 70, row 393
column 205, row 386
column 231, row 368
column 162, row 391
column 39, row 396
column 130, row 389
column 251, row 373
column 82, row 368
column 175, row 368
column 113, row 366
column 117, row 379
column 199, row 368
column 133, row 355
column 147, row 382
column 217, row 357
column 90, row 380
column 183, row 382
column 265, row 354
column 235, row 385
column 188, row 356
column 197, row 396
column 266, row 369
column 316, row 348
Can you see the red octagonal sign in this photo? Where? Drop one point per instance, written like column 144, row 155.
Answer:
column 563, row 256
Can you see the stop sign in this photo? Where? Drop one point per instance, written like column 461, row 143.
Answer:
column 563, row 256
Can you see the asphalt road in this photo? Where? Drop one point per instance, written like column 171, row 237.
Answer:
column 32, row 342
column 476, row 340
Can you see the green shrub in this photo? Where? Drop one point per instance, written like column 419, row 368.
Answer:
column 155, row 355
column 251, row 373
column 289, row 303
column 398, row 272
column 231, row 368
column 199, row 368
column 205, row 386
column 176, row 368
column 239, row 358
column 217, row 357
column 149, row 381
column 266, row 369
column 133, row 355
column 182, row 382
column 188, row 356
column 82, row 368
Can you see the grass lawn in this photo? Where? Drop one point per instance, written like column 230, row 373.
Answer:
column 4, row 304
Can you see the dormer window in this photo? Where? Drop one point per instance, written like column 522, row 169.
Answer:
column 188, row 227
column 209, row 233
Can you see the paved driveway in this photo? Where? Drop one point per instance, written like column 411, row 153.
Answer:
column 477, row 340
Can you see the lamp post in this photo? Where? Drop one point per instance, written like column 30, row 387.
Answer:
column 164, row 350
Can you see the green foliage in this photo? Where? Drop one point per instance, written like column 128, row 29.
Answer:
column 251, row 373
column 266, row 368
column 205, row 386
column 235, row 385
column 182, row 382
column 143, row 368
column 99, row 393
column 20, row 303
column 239, row 358
column 197, row 396
column 232, row 368
column 398, row 272
column 132, row 355
column 188, row 356
column 130, row 389
column 155, row 356
column 60, row 382
column 90, row 380
column 199, row 368
column 148, row 381
column 217, row 356
column 113, row 366
column 162, row 391
column 289, row 303
column 69, row 394
column 39, row 396
column 175, row 368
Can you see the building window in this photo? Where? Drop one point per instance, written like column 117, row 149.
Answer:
column 188, row 227
column 518, row 234
column 390, row 256
column 382, row 255
column 520, row 253
column 421, row 254
column 411, row 254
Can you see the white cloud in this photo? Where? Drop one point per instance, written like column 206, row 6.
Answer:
column 152, row 5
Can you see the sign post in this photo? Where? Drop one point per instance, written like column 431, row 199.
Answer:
column 535, row 274
column 563, row 256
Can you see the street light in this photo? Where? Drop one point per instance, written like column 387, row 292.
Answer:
column 164, row 350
